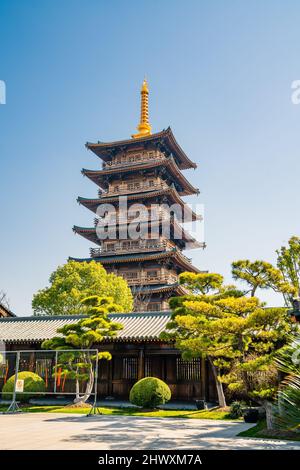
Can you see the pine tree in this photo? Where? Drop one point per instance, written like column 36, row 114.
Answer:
column 81, row 336
column 237, row 335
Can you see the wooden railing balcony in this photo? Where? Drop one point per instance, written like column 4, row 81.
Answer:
column 158, row 214
column 131, row 160
column 127, row 218
column 150, row 280
column 127, row 189
column 141, row 246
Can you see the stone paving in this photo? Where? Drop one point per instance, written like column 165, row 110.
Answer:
column 78, row 432
column 172, row 405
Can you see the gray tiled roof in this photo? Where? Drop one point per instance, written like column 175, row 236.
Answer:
column 137, row 327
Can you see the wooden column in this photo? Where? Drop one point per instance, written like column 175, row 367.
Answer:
column 203, row 379
column 31, row 365
column 207, row 372
column 141, row 364
column 110, row 378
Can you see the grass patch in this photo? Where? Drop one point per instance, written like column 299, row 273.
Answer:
column 201, row 414
column 260, row 431
column 254, row 431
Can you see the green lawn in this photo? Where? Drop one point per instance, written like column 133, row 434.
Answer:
column 214, row 414
column 260, row 431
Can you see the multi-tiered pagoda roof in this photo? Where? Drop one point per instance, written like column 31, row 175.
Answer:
column 147, row 170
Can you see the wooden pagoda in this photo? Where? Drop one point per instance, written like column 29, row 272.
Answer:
column 147, row 169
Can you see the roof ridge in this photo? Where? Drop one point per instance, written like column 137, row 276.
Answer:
column 74, row 317
column 129, row 140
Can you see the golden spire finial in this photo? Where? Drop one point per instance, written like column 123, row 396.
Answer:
column 144, row 127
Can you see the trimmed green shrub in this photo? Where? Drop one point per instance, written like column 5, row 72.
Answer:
column 237, row 409
column 32, row 383
column 149, row 393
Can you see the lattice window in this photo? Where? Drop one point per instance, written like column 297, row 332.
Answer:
column 148, row 367
column 130, row 244
column 131, row 275
column 134, row 185
column 130, row 367
column 154, row 307
column 188, row 370
column 110, row 246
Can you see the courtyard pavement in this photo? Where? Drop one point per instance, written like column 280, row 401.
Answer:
column 77, row 432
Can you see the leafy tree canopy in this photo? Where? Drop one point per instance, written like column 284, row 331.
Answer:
column 72, row 282
column 288, row 262
column 89, row 330
column 82, row 335
column 262, row 275
column 201, row 283
column 235, row 332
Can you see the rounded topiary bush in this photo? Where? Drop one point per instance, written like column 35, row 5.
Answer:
column 149, row 393
column 32, row 383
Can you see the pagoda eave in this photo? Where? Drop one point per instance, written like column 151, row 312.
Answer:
column 179, row 259
column 90, row 233
column 99, row 177
column 165, row 139
column 171, row 193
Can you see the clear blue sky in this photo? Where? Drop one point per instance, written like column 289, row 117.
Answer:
column 220, row 74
